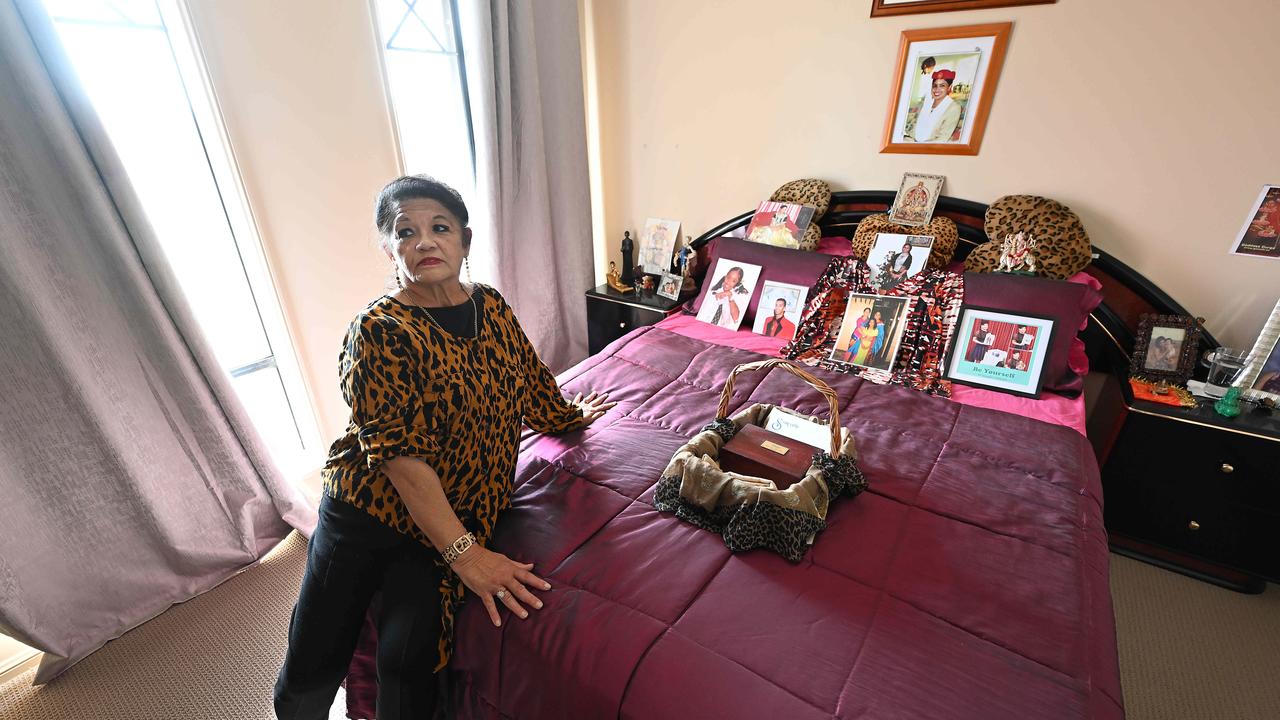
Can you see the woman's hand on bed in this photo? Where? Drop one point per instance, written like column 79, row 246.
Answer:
column 593, row 407
column 486, row 573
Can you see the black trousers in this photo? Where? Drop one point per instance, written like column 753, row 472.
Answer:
column 351, row 556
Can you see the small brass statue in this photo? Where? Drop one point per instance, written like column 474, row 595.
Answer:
column 615, row 280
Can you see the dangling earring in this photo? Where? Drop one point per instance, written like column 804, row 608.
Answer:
column 466, row 262
column 395, row 273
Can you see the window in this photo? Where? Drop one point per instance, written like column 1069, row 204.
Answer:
column 138, row 64
column 426, row 81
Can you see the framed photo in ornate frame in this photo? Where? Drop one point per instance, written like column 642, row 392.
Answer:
column 1261, row 374
column 885, row 8
column 1165, row 347
column 943, row 87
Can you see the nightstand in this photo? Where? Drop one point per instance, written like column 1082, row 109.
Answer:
column 1197, row 493
column 610, row 314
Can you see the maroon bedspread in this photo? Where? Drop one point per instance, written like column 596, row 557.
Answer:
column 969, row 581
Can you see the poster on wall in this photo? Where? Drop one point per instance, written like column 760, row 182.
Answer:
column 1260, row 236
column 943, row 88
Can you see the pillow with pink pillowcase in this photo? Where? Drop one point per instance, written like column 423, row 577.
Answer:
column 797, row 267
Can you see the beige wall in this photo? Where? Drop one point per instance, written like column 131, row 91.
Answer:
column 299, row 87
column 1154, row 120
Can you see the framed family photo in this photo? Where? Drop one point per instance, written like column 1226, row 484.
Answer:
column 883, row 8
column 1000, row 351
column 871, row 331
column 1165, row 347
column 1260, row 236
column 943, row 87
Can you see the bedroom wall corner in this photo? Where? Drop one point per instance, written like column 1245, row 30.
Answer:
column 1152, row 120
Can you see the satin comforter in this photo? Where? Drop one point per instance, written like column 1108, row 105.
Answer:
column 969, row 581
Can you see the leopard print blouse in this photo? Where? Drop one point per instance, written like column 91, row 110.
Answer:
column 457, row 403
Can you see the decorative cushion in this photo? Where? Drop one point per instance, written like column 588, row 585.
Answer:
column 1067, row 303
column 814, row 193
column 778, row 264
column 834, row 246
column 943, row 229
column 1062, row 246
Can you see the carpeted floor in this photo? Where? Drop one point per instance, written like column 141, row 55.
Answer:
column 1187, row 650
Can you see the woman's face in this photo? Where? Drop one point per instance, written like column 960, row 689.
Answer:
column 878, row 320
column 427, row 244
column 941, row 89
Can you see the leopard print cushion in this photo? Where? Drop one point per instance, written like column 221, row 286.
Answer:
column 814, row 193
column 943, row 229
column 1062, row 245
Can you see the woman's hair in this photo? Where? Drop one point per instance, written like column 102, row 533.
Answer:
column 411, row 187
column 739, row 287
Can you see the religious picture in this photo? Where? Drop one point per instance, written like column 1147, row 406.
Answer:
column 1260, row 236
column 871, row 331
column 999, row 351
column 895, row 257
column 729, row 293
column 779, row 224
column 944, row 85
column 917, row 195
column 658, row 244
column 669, row 286
column 778, row 313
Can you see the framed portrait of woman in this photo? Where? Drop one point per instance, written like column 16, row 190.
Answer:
column 943, row 88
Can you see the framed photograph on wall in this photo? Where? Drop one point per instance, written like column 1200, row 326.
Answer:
column 1000, row 351
column 943, row 87
column 1164, row 347
column 884, row 8
column 1261, row 374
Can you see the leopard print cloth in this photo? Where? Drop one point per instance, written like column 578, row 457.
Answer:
column 1062, row 245
column 456, row 403
column 937, row 296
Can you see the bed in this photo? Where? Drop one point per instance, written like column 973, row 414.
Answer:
column 969, row 581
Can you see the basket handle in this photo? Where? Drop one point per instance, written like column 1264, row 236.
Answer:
column 794, row 369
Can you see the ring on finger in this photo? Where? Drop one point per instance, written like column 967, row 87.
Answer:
column 500, row 594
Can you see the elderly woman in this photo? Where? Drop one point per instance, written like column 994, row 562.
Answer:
column 439, row 377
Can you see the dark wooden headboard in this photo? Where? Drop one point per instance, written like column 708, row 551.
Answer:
column 1109, row 336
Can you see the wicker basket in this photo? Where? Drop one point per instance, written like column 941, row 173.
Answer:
column 750, row 511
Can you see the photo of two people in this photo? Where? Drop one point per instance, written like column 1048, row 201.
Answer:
column 871, row 331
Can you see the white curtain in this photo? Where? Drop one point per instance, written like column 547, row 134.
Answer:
column 130, row 476
column 533, row 207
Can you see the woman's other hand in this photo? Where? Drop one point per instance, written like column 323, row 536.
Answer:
column 593, row 407
column 488, row 573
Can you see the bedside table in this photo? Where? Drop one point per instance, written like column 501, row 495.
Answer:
column 1197, row 493
column 610, row 314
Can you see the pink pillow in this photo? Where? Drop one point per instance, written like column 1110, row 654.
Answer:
column 797, row 267
column 838, row 246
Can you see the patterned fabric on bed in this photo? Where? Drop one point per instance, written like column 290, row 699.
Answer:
column 930, row 324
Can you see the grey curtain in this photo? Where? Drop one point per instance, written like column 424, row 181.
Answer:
column 524, row 79
column 130, row 477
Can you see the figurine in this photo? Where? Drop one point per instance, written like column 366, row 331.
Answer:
column 1229, row 405
column 688, row 263
column 1016, row 255
column 628, row 266
column 647, row 283
column 615, row 281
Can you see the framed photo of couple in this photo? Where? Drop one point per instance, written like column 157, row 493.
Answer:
column 1165, row 346
column 1000, row 351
